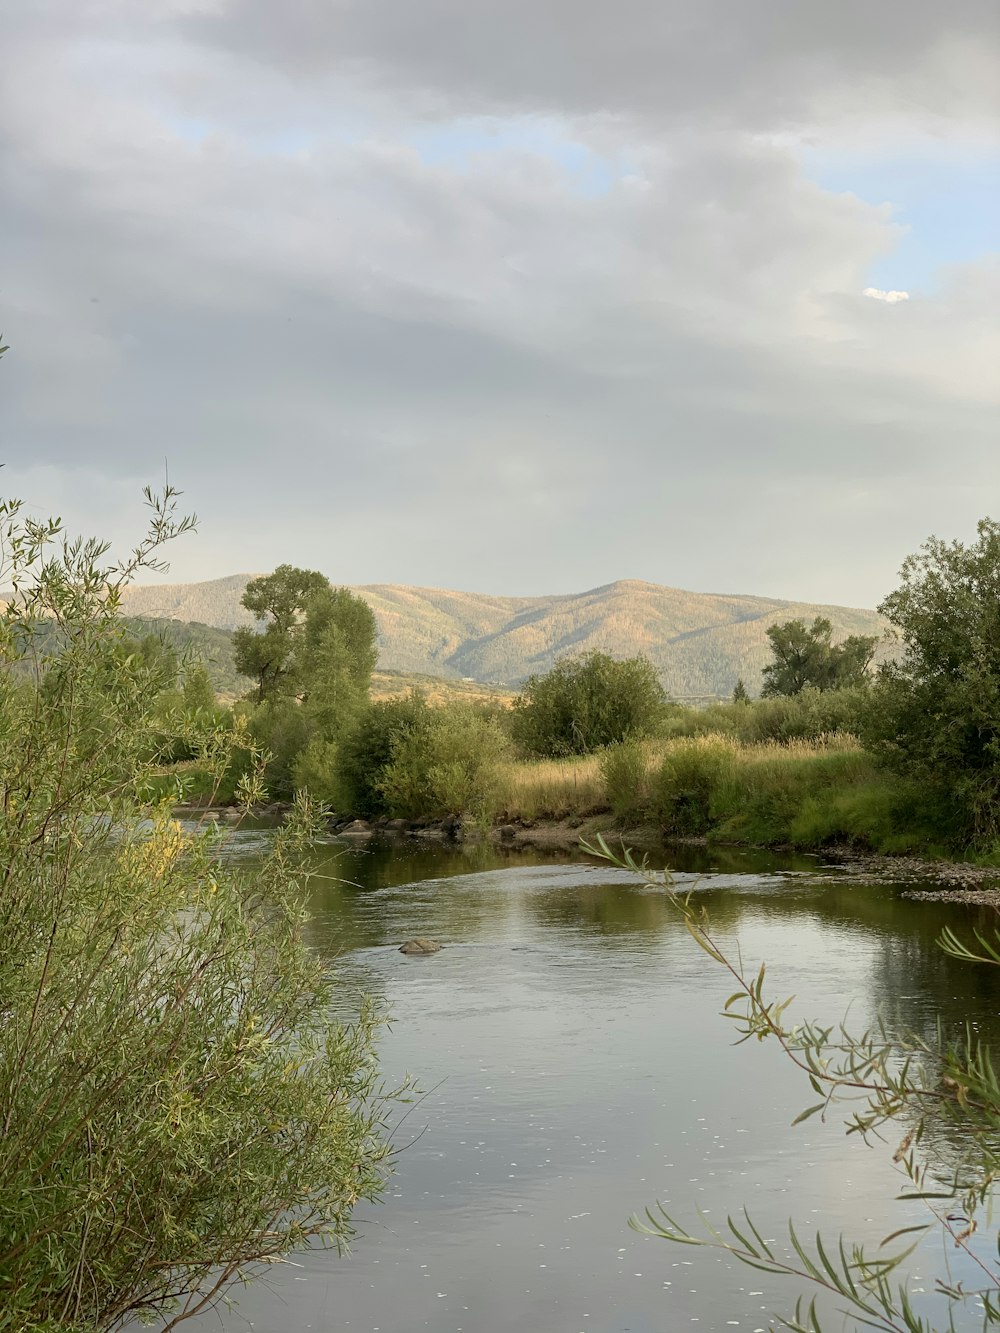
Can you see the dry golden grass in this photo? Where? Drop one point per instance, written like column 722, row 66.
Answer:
column 437, row 690
column 552, row 788
column 562, row 788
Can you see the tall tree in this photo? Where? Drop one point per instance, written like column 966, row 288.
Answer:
column 280, row 600
column 336, row 658
column 312, row 662
column 805, row 655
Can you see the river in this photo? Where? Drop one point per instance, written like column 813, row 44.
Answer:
column 575, row 1069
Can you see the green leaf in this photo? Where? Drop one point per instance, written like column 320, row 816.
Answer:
column 811, row 1110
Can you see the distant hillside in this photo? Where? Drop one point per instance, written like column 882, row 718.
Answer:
column 699, row 642
column 197, row 642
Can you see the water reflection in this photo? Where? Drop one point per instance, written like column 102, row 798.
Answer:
column 576, row 1069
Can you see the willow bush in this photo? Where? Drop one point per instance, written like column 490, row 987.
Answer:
column 178, row 1099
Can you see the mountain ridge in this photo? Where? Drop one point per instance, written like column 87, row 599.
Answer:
column 700, row 643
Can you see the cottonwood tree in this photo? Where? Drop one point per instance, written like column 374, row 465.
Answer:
column 279, row 600
column 805, row 656
column 312, row 662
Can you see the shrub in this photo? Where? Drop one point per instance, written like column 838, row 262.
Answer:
column 367, row 749
column 624, row 769
column 585, row 703
column 177, row 1102
column 447, row 765
column 935, row 713
column 688, row 776
column 805, row 716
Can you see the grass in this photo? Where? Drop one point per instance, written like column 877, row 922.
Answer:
column 439, row 691
column 804, row 794
column 552, row 788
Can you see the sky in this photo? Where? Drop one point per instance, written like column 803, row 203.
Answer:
column 512, row 296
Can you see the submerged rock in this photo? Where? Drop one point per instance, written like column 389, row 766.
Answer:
column 420, row 945
column 356, row 829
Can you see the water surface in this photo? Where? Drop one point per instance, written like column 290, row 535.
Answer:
column 576, row 1069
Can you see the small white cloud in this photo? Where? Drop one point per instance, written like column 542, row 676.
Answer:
column 876, row 294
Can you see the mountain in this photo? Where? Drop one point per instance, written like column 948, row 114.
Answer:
column 699, row 642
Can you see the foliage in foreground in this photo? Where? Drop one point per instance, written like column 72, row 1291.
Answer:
column 941, row 1098
column 177, row 1100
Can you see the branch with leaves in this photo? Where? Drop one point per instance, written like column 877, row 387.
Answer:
column 945, row 1095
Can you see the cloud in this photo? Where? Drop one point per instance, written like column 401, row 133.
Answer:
column 338, row 267
column 774, row 65
column 875, row 294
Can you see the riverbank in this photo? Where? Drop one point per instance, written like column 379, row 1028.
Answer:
column 823, row 797
column 953, row 881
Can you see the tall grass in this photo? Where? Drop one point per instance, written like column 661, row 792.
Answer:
column 804, row 794
column 552, row 788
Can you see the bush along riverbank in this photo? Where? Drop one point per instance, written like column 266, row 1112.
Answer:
column 803, row 795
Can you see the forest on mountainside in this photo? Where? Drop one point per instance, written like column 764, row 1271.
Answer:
column 699, row 643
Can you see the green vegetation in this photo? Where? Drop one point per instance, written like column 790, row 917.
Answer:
column 804, row 656
column 177, row 1102
column 800, row 717
column 937, row 1098
column 405, row 759
column 586, row 703
column 935, row 714
column 316, row 642
column 312, row 663
column 196, row 644
column 904, row 761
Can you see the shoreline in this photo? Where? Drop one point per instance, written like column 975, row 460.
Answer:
column 930, row 879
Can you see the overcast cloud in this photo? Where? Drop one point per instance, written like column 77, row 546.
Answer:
column 514, row 297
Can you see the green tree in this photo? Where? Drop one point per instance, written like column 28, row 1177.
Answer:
column 312, row 663
column 280, row 600
column 197, row 691
column 805, row 655
column 177, row 1103
column 336, row 658
column 740, row 693
column 367, row 748
column 935, row 712
column 585, row 703
column 447, row 764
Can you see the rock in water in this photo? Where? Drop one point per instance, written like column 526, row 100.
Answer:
column 420, row 945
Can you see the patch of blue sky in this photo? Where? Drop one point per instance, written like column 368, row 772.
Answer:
column 459, row 143
column 195, row 129
column 947, row 199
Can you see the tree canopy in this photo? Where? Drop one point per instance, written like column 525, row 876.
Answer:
column 280, row 600
column 935, row 712
column 312, row 663
column 805, row 655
